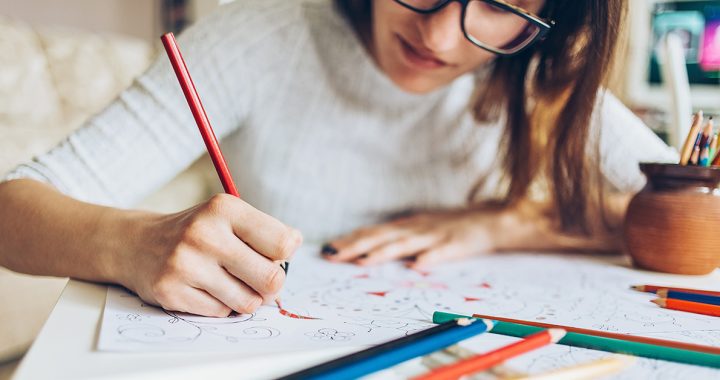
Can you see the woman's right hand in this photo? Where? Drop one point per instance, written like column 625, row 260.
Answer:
column 214, row 258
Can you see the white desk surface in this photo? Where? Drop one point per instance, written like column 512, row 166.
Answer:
column 65, row 347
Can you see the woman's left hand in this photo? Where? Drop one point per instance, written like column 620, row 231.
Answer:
column 422, row 239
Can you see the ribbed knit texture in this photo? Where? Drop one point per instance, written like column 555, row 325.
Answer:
column 315, row 134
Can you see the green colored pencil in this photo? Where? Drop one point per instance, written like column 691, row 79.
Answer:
column 601, row 343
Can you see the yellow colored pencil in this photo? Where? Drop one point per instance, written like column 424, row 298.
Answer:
column 689, row 145
column 599, row 368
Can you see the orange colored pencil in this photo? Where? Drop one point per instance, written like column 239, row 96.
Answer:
column 691, row 307
column 481, row 362
column 655, row 288
column 604, row 334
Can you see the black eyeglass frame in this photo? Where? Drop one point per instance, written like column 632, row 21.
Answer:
column 543, row 25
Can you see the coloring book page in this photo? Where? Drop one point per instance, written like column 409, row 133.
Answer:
column 326, row 305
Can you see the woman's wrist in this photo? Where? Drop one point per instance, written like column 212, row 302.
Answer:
column 121, row 236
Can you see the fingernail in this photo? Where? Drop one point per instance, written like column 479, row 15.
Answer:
column 328, row 250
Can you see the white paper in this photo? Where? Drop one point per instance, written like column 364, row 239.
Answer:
column 359, row 306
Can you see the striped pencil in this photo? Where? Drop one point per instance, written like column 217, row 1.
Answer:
column 690, row 307
column 693, row 297
column 701, row 355
column 484, row 361
column 595, row 369
column 655, row 288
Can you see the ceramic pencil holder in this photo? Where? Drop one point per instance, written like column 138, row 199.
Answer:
column 673, row 224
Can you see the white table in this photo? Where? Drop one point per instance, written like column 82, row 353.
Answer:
column 65, row 348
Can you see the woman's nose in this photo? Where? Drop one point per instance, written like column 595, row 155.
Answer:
column 440, row 31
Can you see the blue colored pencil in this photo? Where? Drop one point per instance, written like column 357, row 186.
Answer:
column 396, row 351
column 685, row 296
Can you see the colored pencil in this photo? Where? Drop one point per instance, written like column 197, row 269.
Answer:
column 655, row 288
column 605, row 334
column 481, row 362
column 599, row 368
column 693, row 297
column 701, row 357
column 713, row 146
column 397, row 351
column 202, row 120
column 716, row 160
column 707, row 134
column 198, row 111
column 690, row 307
column 691, row 138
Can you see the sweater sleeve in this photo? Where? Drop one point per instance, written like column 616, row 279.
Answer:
column 625, row 141
column 147, row 135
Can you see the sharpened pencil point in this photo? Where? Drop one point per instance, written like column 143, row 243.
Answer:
column 556, row 334
column 660, row 302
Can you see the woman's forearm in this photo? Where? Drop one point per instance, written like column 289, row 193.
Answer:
column 44, row 232
column 531, row 226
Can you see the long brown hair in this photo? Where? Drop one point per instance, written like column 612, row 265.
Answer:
column 549, row 92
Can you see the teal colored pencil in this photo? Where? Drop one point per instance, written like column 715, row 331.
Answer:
column 601, row 343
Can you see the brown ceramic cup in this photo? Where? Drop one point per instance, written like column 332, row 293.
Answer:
column 673, row 224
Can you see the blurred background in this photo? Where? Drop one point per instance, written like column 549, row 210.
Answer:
column 62, row 61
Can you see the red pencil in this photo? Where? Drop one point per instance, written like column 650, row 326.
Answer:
column 484, row 361
column 688, row 306
column 201, row 118
column 655, row 288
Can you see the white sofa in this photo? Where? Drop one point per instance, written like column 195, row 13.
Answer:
column 51, row 80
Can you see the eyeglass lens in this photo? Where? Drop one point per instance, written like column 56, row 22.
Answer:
column 490, row 25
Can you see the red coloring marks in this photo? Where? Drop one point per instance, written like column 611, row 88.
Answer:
column 485, row 285
column 362, row 276
column 423, row 273
column 289, row 314
column 379, row 294
column 472, row 299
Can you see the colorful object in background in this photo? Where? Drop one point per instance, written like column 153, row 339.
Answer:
column 703, row 151
column 697, row 23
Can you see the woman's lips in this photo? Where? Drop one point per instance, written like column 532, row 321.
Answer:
column 419, row 59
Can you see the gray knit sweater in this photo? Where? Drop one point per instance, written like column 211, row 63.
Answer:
column 315, row 134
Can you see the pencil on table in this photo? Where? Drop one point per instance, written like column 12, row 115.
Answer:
column 592, row 370
column 680, row 352
column 693, row 297
column 690, row 307
column 656, row 288
column 395, row 352
column 481, row 362
column 691, row 138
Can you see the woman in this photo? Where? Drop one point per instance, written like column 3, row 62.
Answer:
column 336, row 116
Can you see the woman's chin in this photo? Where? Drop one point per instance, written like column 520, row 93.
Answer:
column 415, row 84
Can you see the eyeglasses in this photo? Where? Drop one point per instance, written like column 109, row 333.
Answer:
column 493, row 25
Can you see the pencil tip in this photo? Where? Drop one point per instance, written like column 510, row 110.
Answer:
column 660, row 302
column 637, row 287
column 556, row 334
column 662, row 293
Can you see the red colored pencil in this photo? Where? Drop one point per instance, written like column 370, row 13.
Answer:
column 691, row 307
column 655, row 288
column 201, row 118
column 484, row 361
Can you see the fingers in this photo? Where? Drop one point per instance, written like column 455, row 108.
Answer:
column 258, row 272
column 401, row 248
column 265, row 234
column 438, row 254
column 362, row 242
column 229, row 290
column 187, row 299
